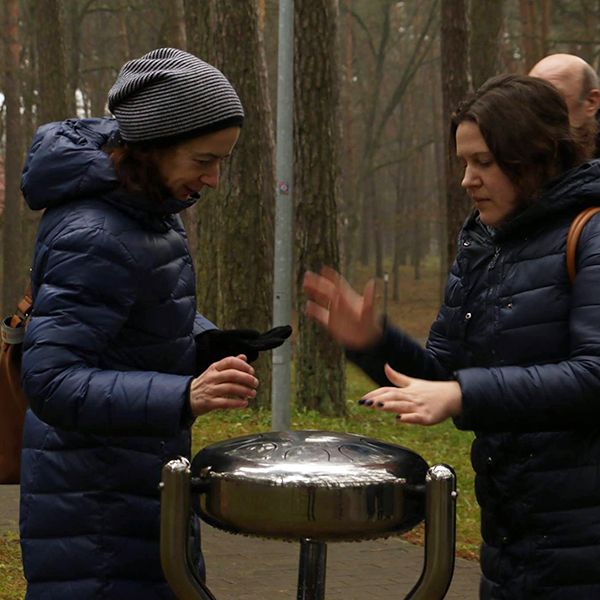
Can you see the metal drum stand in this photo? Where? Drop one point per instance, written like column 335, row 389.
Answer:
column 313, row 487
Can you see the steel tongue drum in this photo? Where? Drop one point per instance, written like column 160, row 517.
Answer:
column 313, row 487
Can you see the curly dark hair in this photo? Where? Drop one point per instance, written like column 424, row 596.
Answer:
column 525, row 124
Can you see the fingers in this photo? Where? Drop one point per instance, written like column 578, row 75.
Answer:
column 317, row 313
column 343, row 291
column 331, row 274
column 396, row 377
column 318, row 289
column 406, row 411
column 227, row 383
column 416, row 401
column 233, row 390
column 222, row 404
column 368, row 307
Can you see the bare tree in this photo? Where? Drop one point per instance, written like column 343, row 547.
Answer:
column 12, row 251
column 173, row 29
column 203, row 237
column 455, row 85
column 245, row 202
column 486, row 26
column 319, row 361
column 53, row 105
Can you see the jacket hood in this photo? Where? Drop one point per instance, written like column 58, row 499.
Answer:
column 66, row 162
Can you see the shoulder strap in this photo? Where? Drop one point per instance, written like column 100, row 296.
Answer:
column 573, row 237
column 23, row 309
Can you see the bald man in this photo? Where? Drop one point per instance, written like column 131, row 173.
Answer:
column 578, row 83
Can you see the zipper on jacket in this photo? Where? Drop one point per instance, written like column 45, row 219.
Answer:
column 494, row 258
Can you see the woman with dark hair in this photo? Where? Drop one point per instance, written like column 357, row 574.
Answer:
column 514, row 354
column 117, row 363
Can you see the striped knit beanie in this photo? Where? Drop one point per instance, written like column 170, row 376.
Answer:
column 170, row 95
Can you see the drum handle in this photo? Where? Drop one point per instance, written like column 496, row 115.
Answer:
column 440, row 535
column 175, row 514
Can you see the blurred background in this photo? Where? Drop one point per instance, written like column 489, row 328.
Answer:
column 375, row 186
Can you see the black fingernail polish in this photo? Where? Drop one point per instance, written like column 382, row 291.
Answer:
column 379, row 404
column 369, row 402
column 362, row 401
column 398, row 417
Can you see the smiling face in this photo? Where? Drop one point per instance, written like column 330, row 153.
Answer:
column 191, row 165
column 492, row 192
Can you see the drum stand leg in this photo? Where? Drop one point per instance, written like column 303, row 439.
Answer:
column 175, row 514
column 311, row 573
column 440, row 535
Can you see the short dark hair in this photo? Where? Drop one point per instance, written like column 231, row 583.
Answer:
column 525, row 124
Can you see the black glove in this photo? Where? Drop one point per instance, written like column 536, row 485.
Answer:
column 215, row 344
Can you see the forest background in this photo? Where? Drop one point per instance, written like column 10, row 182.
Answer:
column 376, row 188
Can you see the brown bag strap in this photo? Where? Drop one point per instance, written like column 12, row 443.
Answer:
column 23, row 310
column 573, row 237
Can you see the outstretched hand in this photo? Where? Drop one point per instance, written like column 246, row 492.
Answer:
column 416, row 401
column 348, row 317
column 227, row 383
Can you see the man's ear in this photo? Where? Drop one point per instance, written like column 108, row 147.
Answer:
column 592, row 102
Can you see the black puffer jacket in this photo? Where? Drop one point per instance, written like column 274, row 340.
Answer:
column 525, row 346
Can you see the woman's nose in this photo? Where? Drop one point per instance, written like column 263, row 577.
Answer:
column 469, row 178
column 211, row 178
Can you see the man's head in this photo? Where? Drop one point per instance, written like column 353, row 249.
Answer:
column 576, row 81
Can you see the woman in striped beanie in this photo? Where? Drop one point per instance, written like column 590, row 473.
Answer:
column 117, row 363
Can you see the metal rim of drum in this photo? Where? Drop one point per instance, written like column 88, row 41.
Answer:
column 321, row 485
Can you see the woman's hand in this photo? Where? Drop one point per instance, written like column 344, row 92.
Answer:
column 348, row 317
column 416, row 401
column 227, row 383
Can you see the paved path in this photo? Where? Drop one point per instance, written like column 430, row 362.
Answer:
column 244, row 568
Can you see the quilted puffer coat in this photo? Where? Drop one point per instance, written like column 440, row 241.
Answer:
column 524, row 345
column 108, row 358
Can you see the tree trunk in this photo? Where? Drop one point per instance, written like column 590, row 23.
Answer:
column 376, row 231
column 73, row 21
column 486, row 18
column 173, row 33
column 528, row 33
column 204, row 236
column 245, row 203
column 349, row 200
column 52, row 105
column 454, row 88
column 319, row 361
column 400, row 181
column 13, row 268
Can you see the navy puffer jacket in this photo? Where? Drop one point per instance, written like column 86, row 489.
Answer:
column 524, row 345
column 108, row 358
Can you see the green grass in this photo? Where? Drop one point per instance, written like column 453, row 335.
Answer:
column 12, row 584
